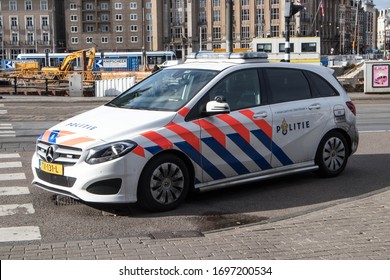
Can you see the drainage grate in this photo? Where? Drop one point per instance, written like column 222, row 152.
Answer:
column 176, row 234
column 62, row 200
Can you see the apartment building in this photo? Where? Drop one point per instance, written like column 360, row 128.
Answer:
column 384, row 29
column 345, row 26
column 30, row 26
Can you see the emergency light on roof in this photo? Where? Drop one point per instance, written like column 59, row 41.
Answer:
column 228, row 56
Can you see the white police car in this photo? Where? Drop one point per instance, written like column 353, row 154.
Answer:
column 204, row 124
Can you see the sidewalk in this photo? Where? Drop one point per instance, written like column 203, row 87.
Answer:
column 352, row 230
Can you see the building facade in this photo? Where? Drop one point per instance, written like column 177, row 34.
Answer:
column 31, row 26
column 384, row 29
column 344, row 26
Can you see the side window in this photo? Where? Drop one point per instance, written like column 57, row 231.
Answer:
column 241, row 89
column 287, row 85
column 320, row 86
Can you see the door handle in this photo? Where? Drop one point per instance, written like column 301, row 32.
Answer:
column 260, row 115
column 315, row 106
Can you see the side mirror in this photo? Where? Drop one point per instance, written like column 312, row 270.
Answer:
column 215, row 107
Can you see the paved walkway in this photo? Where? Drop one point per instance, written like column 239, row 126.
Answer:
column 358, row 228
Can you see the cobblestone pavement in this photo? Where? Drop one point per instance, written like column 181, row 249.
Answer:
column 353, row 229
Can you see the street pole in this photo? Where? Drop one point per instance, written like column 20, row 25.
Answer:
column 229, row 26
column 289, row 10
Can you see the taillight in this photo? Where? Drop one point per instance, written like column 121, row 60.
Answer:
column 351, row 107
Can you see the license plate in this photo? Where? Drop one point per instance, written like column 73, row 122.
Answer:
column 51, row 168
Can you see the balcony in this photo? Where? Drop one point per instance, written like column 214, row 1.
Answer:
column 30, row 27
column 14, row 27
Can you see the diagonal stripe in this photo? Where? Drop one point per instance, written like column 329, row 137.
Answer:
column 186, row 134
column 157, row 138
column 183, row 111
column 197, row 157
column 76, row 141
column 223, row 153
column 248, row 149
column 261, row 123
column 236, row 125
column 213, row 130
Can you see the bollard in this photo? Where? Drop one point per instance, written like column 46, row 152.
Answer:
column 46, row 87
column 15, row 85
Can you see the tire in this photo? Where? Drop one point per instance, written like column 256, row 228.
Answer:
column 332, row 154
column 164, row 184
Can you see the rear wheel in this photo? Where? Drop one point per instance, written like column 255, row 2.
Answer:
column 163, row 184
column 332, row 154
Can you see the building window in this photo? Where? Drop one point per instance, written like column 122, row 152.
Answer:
column 216, row 15
column 134, row 39
column 118, row 17
column 45, row 22
column 264, row 47
column 217, row 33
column 203, row 3
column 14, row 22
column 30, row 38
column 73, row 6
column 104, row 40
column 105, row 17
column 73, row 29
column 148, row 16
column 118, row 6
column 13, row 6
column 275, row 13
column 149, row 5
column 245, row 32
column 119, row 39
column 74, row 40
column 15, row 38
column 90, row 28
column 44, row 5
column 178, row 33
column 104, row 6
column 45, row 38
column 275, row 2
column 216, row 3
column 28, row 5
column 133, row 17
column 245, row 14
column 149, row 28
column 244, row 2
column 89, row 6
column 105, row 28
column 73, row 18
column 133, row 28
column 29, row 22
column 89, row 40
column 133, row 5
column 119, row 28
column 89, row 18
column 275, row 31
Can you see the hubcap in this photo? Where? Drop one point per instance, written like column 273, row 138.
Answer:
column 167, row 183
column 334, row 154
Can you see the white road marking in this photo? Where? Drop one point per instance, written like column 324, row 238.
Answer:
column 13, row 191
column 19, row 234
column 15, row 155
column 12, row 164
column 13, row 209
column 12, row 176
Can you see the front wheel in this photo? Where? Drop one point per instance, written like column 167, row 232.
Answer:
column 332, row 154
column 164, row 183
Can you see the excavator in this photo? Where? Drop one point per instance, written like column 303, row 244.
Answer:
column 61, row 72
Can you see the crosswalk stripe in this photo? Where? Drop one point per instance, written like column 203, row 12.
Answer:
column 12, row 176
column 19, row 234
column 12, row 209
column 15, row 155
column 12, row 164
column 13, row 191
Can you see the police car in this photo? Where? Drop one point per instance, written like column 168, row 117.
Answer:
column 217, row 120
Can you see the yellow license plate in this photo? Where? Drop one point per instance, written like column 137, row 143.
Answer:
column 51, row 168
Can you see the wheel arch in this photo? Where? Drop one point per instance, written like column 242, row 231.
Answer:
column 186, row 160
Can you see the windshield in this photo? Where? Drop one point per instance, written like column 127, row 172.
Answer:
column 167, row 90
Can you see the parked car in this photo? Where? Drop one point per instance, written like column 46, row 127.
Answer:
column 205, row 124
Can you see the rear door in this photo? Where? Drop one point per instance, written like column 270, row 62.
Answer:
column 299, row 117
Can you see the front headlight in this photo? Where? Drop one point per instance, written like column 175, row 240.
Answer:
column 109, row 151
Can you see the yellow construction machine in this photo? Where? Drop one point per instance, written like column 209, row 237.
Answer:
column 60, row 73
